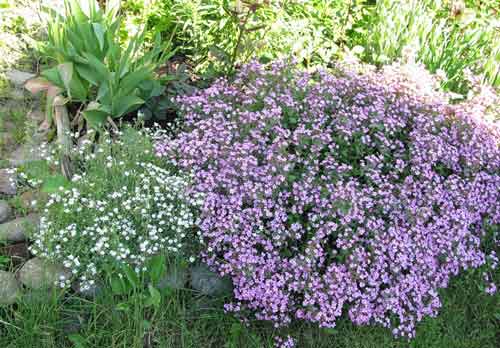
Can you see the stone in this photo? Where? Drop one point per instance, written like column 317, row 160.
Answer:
column 38, row 273
column 5, row 211
column 19, row 78
column 27, row 153
column 37, row 297
column 18, row 253
column 210, row 283
column 176, row 279
column 7, row 139
column 36, row 115
column 9, row 288
column 17, row 230
column 8, row 184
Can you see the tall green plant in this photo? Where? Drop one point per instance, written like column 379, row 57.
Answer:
column 94, row 68
column 440, row 34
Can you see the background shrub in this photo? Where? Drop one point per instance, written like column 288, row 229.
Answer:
column 444, row 35
column 326, row 193
column 217, row 34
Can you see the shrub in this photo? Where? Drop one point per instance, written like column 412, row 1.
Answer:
column 120, row 211
column 219, row 34
column 326, row 193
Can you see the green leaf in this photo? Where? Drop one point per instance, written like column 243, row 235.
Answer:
column 99, row 33
column 99, row 67
column 125, row 104
column 154, row 299
column 118, row 285
column 133, row 79
column 95, row 115
column 157, row 268
column 123, row 306
column 103, row 95
column 131, row 275
column 77, row 340
column 88, row 74
column 78, row 88
column 53, row 76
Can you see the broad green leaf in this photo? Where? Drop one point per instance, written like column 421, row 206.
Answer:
column 157, row 268
column 99, row 33
column 76, row 41
column 125, row 104
column 118, row 285
column 79, row 89
column 95, row 63
column 53, row 76
column 132, row 277
column 88, row 74
column 95, row 115
column 102, row 94
column 133, row 79
column 77, row 340
column 154, row 298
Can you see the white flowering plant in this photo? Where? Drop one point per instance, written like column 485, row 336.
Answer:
column 121, row 209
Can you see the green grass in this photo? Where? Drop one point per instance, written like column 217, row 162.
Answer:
column 469, row 319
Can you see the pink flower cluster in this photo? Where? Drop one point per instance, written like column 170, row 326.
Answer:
column 328, row 194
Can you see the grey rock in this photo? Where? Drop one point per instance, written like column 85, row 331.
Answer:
column 19, row 78
column 38, row 273
column 9, row 288
column 7, row 182
column 210, row 283
column 36, row 297
column 5, row 211
column 27, row 153
column 17, row 230
column 7, row 139
column 176, row 279
column 36, row 115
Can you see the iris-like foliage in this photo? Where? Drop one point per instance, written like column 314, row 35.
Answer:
column 334, row 193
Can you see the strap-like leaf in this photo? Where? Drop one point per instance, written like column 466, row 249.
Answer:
column 52, row 75
column 94, row 115
column 99, row 33
column 125, row 104
column 133, row 79
column 66, row 73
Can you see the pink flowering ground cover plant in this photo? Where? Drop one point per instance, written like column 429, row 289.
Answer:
column 340, row 193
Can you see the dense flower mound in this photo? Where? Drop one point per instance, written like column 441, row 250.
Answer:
column 120, row 211
column 338, row 193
